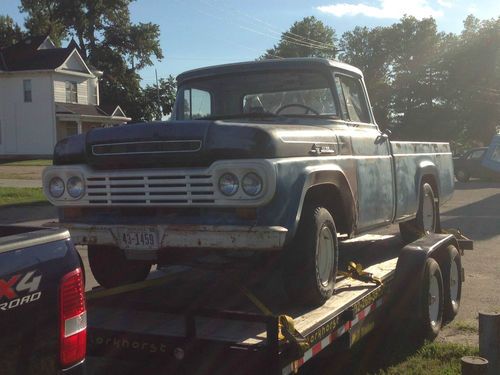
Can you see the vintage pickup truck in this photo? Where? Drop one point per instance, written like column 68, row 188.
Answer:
column 267, row 157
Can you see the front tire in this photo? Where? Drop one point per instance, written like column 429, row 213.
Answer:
column 110, row 267
column 427, row 219
column 312, row 260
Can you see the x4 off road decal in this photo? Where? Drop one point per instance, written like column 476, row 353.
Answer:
column 19, row 290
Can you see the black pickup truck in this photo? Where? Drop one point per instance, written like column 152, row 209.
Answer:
column 43, row 320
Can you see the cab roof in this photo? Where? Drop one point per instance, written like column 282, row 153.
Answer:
column 263, row 65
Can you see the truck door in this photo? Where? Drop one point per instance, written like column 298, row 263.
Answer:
column 371, row 153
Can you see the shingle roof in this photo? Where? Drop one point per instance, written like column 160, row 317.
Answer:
column 79, row 109
column 25, row 55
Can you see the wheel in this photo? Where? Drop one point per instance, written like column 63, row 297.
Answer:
column 462, row 175
column 427, row 219
column 311, row 263
column 452, row 280
column 306, row 107
column 431, row 302
column 110, row 267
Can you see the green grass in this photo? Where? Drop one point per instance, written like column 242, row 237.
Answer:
column 19, row 176
column 465, row 326
column 30, row 163
column 432, row 359
column 12, row 196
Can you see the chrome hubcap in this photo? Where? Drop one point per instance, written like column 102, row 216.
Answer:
column 325, row 255
column 454, row 283
column 428, row 213
column 434, row 301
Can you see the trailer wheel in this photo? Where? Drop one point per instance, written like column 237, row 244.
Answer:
column 312, row 260
column 431, row 302
column 452, row 279
column 110, row 267
column 427, row 220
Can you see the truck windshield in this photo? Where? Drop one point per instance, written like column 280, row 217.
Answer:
column 257, row 94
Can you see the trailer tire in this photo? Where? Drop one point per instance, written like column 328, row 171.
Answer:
column 430, row 302
column 110, row 267
column 427, row 219
column 452, row 280
column 311, row 262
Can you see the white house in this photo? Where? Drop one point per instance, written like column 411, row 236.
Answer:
column 46, row 94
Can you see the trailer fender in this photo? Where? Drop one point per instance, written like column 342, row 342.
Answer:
column 408, row 279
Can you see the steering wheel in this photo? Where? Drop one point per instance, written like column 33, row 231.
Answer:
column 307, row 108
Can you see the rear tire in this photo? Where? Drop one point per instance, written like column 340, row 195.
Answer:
column 311, row 262
column 427, row 219
column 452, row 279
column 431, row 302
column 462, row 175
column 110, row 267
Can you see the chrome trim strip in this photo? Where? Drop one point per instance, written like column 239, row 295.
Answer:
column 145, row 152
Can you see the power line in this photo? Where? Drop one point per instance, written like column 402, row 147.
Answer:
column 301, row 40
column 222, row 19
column 255, row 31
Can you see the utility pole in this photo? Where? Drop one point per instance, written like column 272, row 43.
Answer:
column 158, row 96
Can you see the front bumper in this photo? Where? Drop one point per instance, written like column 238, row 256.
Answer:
column 209, row 237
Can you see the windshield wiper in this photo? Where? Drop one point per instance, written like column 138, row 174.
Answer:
column 240, row 115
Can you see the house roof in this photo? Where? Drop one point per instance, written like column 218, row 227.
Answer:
column 79, row 109
column 89, row 110
column 28, row 55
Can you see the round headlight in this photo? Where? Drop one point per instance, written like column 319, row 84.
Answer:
column 75, row 187
column 252, row 184
column 56, row 187
column 228, row 184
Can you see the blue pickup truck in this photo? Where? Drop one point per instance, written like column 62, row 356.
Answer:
column 43, row 321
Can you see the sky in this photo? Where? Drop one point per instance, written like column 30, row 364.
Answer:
column 196, row 33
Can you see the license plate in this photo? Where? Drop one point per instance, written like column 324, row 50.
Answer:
column 138, row 239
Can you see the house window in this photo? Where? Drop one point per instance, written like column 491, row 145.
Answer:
column 27, row 90
column 95, row 95
column 71, row 92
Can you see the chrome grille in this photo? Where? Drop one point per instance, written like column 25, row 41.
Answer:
column 154, row 189
column 152, row 147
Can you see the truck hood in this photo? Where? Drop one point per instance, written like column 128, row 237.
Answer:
column 192, row 143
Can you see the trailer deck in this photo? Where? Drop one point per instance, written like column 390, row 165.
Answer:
column 216, row 322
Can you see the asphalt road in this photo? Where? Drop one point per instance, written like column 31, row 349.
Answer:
column 474, row 208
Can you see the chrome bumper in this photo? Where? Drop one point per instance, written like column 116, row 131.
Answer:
column 216, row 237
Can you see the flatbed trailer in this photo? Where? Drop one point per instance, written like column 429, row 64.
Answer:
column 189, row 322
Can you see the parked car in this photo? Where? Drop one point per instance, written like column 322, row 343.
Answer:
column 481, row 162
column 469, row 164
column 267, row 157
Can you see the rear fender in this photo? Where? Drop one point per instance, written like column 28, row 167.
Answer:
column 410, row 271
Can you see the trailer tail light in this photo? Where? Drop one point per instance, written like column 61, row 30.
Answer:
column 73, row 319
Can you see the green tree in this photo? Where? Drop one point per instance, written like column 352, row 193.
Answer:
column 10, row 32
column 306, row 38
column 107, row 39
column 166, row 90
column 370, row 51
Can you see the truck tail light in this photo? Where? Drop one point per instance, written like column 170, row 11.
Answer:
column 73, row 319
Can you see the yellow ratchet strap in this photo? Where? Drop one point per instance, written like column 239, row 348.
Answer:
column 355, row 271
column 286, row 325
